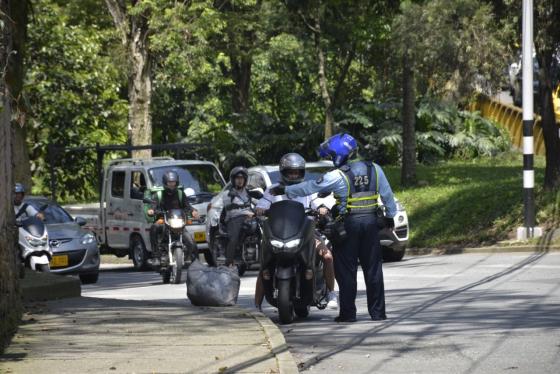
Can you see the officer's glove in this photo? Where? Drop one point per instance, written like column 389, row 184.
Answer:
column 389, row 223
column 278, row 190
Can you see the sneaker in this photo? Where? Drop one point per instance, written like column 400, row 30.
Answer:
column 332, row 300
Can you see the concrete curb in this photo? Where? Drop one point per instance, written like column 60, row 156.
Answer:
column 278, row 345
column 489, row 249
column 37, row 286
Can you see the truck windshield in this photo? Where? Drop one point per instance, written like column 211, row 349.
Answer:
column 203, row 179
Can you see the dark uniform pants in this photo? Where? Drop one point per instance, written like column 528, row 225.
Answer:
column 362, row 242
column 156, row 237
column 234, row 228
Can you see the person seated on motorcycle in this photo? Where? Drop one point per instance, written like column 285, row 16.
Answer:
column 237, row 208
column 21, row 209
column 172, row 197
column 292, row 171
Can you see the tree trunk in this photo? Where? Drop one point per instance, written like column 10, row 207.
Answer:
column 133, row 30
column 323, row 83
column 139, row 87
column 551, row 131
column 408, row 171
column 241, row 74
column 18, row 14
column 10, row 301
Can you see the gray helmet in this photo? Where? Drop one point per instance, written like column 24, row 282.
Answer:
column 170, row 176
column 19, row 188
column 238, row 170
column 290, row 162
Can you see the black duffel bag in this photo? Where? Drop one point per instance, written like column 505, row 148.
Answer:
column 212, row 286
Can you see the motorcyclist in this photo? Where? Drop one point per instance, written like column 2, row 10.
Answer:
column 172, row 197
column 237, row 208
column 292, row 171
column 21, row 209
column 357, row 184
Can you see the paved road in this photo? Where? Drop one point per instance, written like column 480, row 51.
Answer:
column 469, row 313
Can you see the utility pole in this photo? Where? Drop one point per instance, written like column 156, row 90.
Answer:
column 529, row 230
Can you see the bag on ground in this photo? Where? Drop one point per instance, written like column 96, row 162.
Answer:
column 211, row 286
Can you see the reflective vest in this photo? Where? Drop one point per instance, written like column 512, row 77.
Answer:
column 363, row 187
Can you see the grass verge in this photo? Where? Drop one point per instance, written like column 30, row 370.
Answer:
column 472, row 203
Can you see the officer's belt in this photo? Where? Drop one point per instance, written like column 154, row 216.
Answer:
column 237, row 207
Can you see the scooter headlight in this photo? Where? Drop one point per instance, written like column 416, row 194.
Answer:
column 87, row 238
column 292, row 243
column 36, row 242
column 277, row 244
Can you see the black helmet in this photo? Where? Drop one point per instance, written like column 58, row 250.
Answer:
column 238, row 170
column 290, row 162
column 170, row 176
column 19, row 188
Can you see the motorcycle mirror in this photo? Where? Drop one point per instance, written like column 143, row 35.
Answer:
column 256, row 193
column 81, row 221
column 19, row 224
column 190, row 192
column 147, row 200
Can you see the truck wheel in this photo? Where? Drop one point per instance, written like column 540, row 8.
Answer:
column 285, row 305
column 138, row 253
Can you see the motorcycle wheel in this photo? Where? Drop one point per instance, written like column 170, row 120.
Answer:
column 241, row 269
column 166, row 275
column 285, row 305
column 45, row 268
column 175, row 276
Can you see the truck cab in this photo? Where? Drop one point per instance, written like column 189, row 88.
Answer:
column 122, row 227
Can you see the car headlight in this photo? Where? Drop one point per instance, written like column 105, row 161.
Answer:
column 36, row 242
column 292, row 243
column 87, row 238
column 277, row 244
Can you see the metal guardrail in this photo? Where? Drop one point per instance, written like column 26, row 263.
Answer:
column 511, row 117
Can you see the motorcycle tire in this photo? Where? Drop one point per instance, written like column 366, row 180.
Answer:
column 177, row 269
column 166, row 275
column 285, row 305
column 44, row 268
column 241, row 269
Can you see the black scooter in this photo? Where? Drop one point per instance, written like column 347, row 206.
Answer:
column 292, row 272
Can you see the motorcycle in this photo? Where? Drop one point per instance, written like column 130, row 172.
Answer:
column 292, row 271
column 35, row 251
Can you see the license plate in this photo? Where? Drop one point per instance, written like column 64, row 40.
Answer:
column 59, row 261
column 199, row 236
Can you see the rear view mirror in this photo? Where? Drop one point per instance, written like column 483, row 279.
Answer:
column 256, row 193
column 43, row 207
column 147, row 200
column 80, row 221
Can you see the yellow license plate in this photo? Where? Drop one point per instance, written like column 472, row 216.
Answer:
column 59, row 261
column 199, row 236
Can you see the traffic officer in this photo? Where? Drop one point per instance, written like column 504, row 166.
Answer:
column 357, row 184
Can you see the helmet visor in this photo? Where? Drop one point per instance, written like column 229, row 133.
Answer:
column 324, row 150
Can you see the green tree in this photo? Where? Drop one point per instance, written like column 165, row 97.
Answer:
column 447, row 49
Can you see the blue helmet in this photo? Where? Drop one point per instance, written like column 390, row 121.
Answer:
column 18, row 188
column 339, row 148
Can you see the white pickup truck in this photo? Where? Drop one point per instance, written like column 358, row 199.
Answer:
column 118, row 220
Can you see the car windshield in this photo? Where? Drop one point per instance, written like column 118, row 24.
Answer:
column 53, row 213
column 203, row 179
column 310, row 173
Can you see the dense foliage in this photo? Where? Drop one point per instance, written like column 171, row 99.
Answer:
column 242, row 77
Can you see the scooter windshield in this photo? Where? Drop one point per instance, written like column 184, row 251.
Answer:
column 34, row 226
column 286, row 218
column 175, row 213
